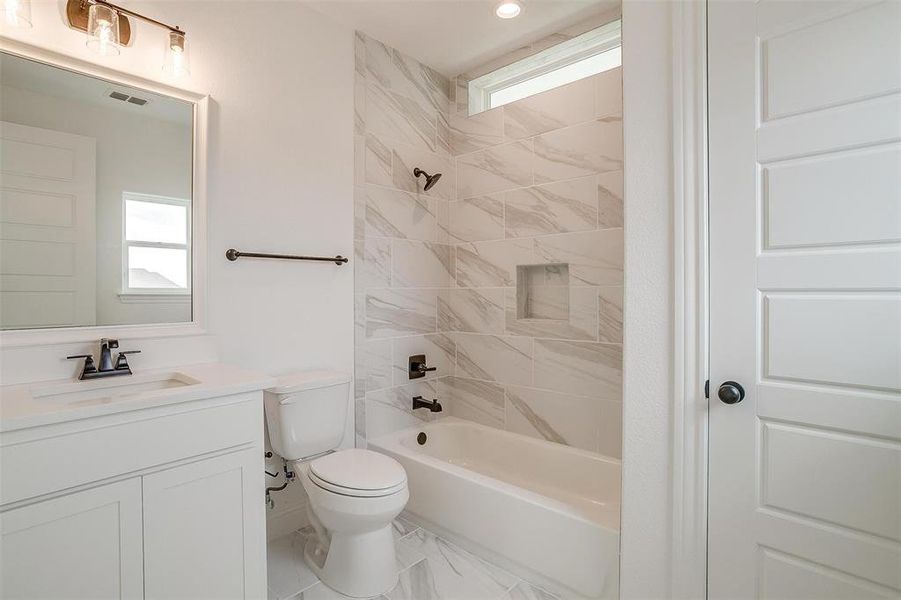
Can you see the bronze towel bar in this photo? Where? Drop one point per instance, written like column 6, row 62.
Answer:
column 232, row 254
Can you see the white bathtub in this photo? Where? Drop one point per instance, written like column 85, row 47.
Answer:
column 548, row 512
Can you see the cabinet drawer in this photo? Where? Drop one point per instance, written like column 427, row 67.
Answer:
column 103, row 448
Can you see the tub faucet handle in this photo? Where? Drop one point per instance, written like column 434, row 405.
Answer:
column 418, row 366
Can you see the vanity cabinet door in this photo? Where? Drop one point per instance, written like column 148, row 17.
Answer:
column 204, row 529
column 83, row 545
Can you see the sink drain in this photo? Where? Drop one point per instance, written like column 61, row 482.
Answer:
column 421, row 438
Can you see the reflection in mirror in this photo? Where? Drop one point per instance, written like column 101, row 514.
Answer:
column 95, row 200
column 585, row 55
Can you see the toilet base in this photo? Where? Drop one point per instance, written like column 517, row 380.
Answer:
column 360, row 565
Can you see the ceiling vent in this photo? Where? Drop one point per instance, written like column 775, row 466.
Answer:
column 124, row 97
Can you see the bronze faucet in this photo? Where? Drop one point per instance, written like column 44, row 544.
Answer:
column 107, row 368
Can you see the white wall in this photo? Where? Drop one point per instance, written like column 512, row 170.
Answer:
column 135, row 154
column 648, row 314
column 280, row 77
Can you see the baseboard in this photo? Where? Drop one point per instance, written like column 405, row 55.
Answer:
column 283, row 522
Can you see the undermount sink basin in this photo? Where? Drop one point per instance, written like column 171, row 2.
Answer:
column 113, row 389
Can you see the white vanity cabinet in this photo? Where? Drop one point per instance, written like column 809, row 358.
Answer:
column 195, row 517
column 82, row 545
column 159, row 503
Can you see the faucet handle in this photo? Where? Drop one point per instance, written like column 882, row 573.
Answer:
column 88, row 362
column 122, row 358
column 417, row 367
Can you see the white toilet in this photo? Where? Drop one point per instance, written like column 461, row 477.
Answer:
column 354, row 494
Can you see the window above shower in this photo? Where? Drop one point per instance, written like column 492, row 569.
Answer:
column 588, row 54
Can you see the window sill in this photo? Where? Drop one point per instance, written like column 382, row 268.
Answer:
column 139, row 298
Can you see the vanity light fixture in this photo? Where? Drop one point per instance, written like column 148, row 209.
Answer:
column 103, row 30
column 176, row 62
column 17, row 13
column 508, row 9
column 109, row 28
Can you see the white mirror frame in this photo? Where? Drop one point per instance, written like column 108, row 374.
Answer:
column 62, row 335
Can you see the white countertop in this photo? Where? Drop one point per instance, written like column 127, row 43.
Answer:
column 31, row 405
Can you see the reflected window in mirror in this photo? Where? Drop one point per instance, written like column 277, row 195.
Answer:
column 157, row 253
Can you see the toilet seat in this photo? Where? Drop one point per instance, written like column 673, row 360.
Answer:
column 358, row 473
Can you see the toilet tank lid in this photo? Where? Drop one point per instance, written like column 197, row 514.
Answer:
column 308, row 380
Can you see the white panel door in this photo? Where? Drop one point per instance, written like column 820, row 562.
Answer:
column 805, row 299
column 83, row 545
column 47, row 228
column 204, row 527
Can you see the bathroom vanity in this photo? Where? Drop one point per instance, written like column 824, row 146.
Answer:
column 146, row 486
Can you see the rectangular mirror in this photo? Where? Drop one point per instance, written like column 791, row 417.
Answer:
column 96, row 200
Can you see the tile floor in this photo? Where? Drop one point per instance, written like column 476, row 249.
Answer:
column 431, row 568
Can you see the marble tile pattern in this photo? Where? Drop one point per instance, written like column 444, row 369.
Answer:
column 477, row 219
column 610, row 199
column 472, row 310
column 479, row 401
column 502, row 359
column 468, row 134
column 404, row 262
column 566, row 105
column 495, row 169
column 392, row 115
column 539, row 182
column 429, row 568
column 594, row 257
column 579, row 150
column 421, row 264
column 574, row 367
column 536, row 182
column 559, row 207
column 561, row 418
column 439, row 348
column 492, row 264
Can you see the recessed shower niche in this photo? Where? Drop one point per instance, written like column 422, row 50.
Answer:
column 542, row 292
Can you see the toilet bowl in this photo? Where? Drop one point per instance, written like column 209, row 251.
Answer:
column 354, row 494
column 354, row 497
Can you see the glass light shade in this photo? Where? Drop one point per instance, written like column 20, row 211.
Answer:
column 17, row 13
column 103, row 30
column 177, row 62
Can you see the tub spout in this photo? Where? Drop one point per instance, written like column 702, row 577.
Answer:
column 419, row 402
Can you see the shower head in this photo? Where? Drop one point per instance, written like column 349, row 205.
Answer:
column 430, row 180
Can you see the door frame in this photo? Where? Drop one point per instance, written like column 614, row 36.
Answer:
column 690, row 301
column 665, row 412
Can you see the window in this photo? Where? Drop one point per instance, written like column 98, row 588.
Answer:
column 156, row 251
column 591, row 53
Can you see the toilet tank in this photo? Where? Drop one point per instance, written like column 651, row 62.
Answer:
column 306, row 412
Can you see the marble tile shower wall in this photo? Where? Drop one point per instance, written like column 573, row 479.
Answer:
column 539, row 182
column 404, row 262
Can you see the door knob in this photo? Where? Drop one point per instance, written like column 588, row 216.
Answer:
column 731, row 392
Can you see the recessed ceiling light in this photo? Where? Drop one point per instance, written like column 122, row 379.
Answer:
column 508, row 9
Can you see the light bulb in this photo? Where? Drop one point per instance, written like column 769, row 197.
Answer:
column 103, row 30
column 176, row 62
column 508, row 9
column 17, row 13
